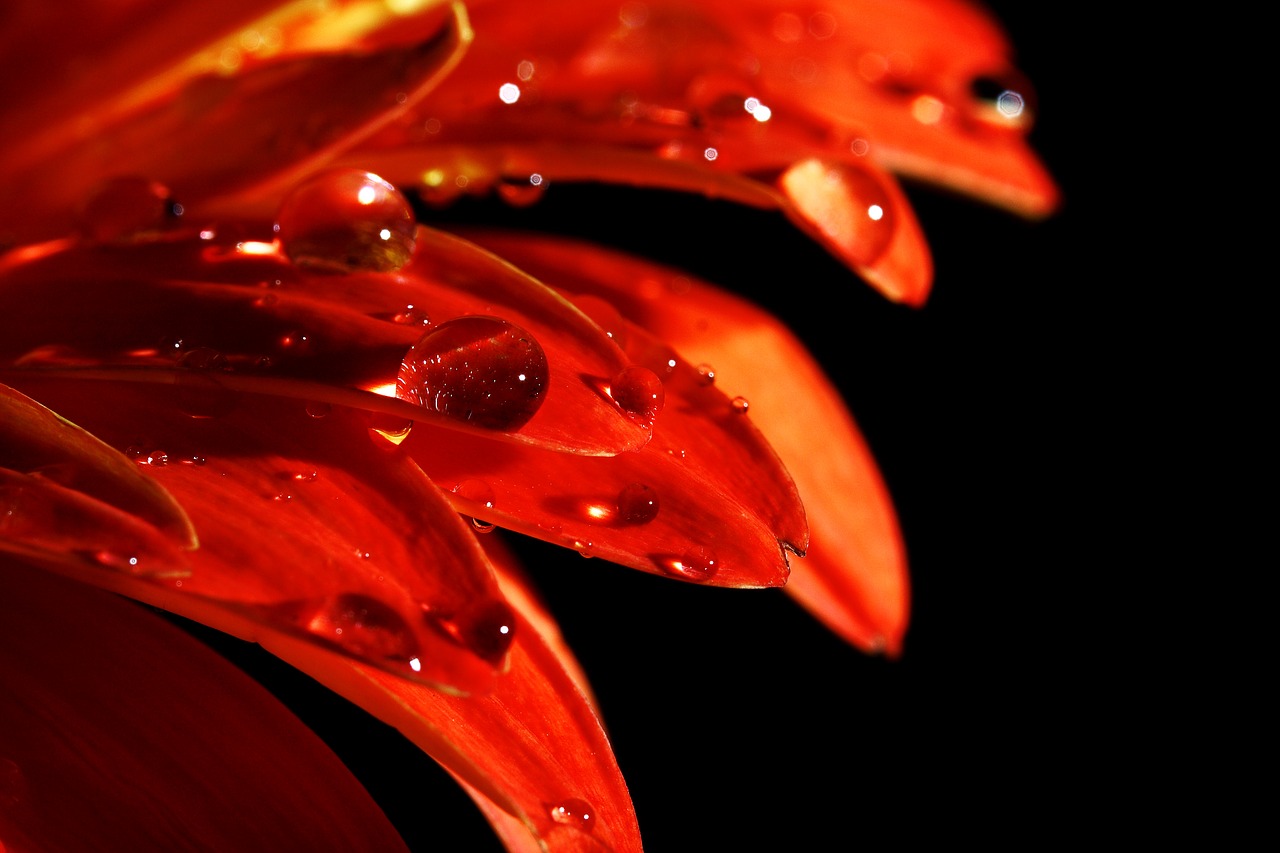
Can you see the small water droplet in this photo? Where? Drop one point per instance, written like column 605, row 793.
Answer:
column 197, row 390
column 344, row 220
column 476, row 490
column 576, row 813
column 318, row 409
column 739, row 405
column 306, row 476
column 360, row 625
column 127, row 207
column 120, row 561
column 193, row 460
column 486, row 627
column 482, row 370
column 481, row 526
column 389, row 430
column 637, row 504
column 411, row 315
column 706, row 374
column 586, row 549
column 521, row 190
column 638, row 391
column 698, row 564
column 157, row 457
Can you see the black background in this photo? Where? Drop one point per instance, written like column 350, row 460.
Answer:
column 737, row 720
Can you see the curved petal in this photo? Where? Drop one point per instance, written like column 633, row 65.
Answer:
column 215, row 319
column 332, row 535
column 533, row 752
column 118, row 731
column 306, row 89
column 854, row 574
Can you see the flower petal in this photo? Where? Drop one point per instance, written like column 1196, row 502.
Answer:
column 215, row 319
column 118, row 731
column 532, row 752
column 329, row 535
column 274, row 112
column 853, row 576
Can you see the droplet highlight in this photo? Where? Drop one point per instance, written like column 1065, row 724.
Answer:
column 346, row 220
column 739, row 405
column 486, row 627
column 699, row 564
column 482, row 370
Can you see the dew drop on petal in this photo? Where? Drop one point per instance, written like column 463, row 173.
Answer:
column 482, row 370
column 698, row 564
column 522, row 190
column 360, row 625
column 346, row 220
column 475, row 490
column 412, row 315
column 706, row 374
column 637, row 504
column 576, row 813
column 486, row 627
column 196, row 387
column 157, row 457
column 639, row 391
column 739, row 405
column 388, row 431
column 125, row 207
column 318, row 409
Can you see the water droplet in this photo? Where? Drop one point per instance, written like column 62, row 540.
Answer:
column 487, row 627
column 307, row 476
column 739, row 405
column 389, row 430
column 127, row 207
column 638, row 391
column 706, row 374
column 482, row 370
column 360, row 625
column 157, row 457
column 318, row 409
column 637, row 504
column 345, row 220
column 197, row 390
column 698, row 564
column 576, row 813
column 481, row 526
column 521, row 190
column 604, row 315
column 411, row 315
column 475, row 490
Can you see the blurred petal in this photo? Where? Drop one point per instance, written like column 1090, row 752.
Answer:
column 214, row 321
column 118, row 731
column 222, row 119
column 333, row 536
column 853, row 576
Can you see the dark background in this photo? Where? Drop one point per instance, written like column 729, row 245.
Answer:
column 737, row 720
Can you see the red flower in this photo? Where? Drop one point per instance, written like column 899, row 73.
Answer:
column 294, row 407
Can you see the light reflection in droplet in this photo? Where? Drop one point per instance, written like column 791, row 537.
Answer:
column 508, row 93
column 711, row 153
column 1010, row 104
column 876, row 212
column 524, row 70
column 927, row 109
column 535, row 179
column 366, row 195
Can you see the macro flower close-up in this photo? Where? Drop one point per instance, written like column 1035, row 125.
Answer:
column 336, row 333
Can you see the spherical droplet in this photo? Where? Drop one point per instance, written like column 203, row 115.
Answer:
column 637, row 504
column 157, row 457
column 126, row 207
column 479, row 492
column 482, row 370
column 346, row 220
column 698, row 564
column 412, row 315
column 706, row 374
column 638, row 391
column 487, row 627
column 576, row 813
column 739, row 405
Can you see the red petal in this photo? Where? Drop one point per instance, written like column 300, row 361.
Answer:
column 253, row 322
column 854, row 575
column 118, row 731
column 203, row 127
column 309, row 527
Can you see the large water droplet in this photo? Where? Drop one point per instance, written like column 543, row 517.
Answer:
column 360, row 625
column 739, row 405
column 638, row 391
column 482, row 370
column 345, row 220
column 127, row 207
column 698, row 564
column 576, row 813
column 637, row 504
column 486, row 627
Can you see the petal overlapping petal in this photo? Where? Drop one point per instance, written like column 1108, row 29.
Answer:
column 119, row 731
column 853, row 575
